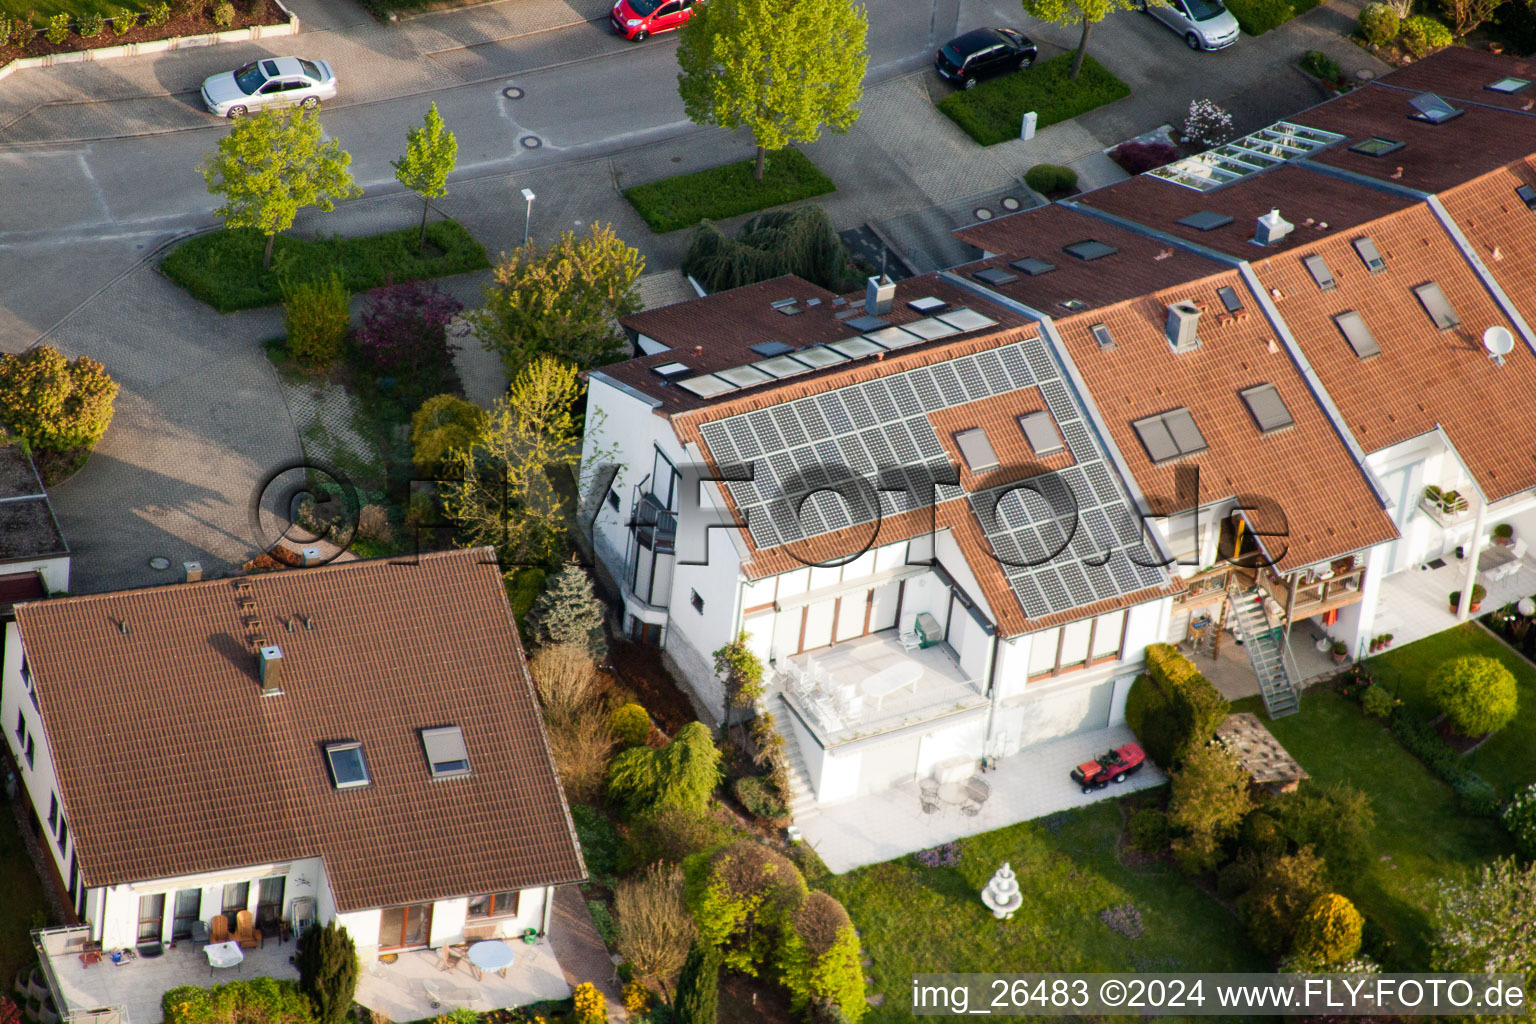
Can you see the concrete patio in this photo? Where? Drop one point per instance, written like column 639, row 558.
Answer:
column 416, row 988
column 1029, row 784
column 1416, row 603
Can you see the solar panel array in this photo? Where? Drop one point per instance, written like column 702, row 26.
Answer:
column 829, row 461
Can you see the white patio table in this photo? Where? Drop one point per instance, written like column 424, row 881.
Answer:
column 491, row 955
column 223, row 954
column 901, row 676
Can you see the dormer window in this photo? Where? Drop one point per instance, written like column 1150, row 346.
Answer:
column 349, row 769
column 447, row 757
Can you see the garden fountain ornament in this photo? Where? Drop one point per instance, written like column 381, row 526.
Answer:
column 1002, row 895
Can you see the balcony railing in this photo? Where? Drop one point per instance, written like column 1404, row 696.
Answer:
column 1314, row 593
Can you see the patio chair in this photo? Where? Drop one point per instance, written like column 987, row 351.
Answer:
column 910, row 641
column 1518, row 550
column 453, row 955
column 246, row 932
column 220, row 932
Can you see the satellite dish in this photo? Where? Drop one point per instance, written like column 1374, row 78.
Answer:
column 1498, row 341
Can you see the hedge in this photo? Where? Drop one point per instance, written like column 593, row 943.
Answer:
column 259, row 1001
column 1172, row 708
column 992, row 112
column 1472, row 791
column 720, row 192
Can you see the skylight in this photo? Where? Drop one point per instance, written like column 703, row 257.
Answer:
column 1032, row 266
column 771, row 348
column 670, row 370
column 1434, row 303
column 864, row 324
column 926, row 304
column 1073, row 304
column 1369, row 255
column 1089, row 249
column 1040, row 431
column 1320, row 272
column 1102, row 336
column 976, row 449
column 1170, row 435
column 994, row 276
column 1431, row 109
column 1228, row 296
column 349, row 769
column 447, row 757
column 1507, row 85
column 1205, row 220
column 1269, row 147
column 1376, row 146
column 1266, row 407
column 1526, row 195
column 1359, row 336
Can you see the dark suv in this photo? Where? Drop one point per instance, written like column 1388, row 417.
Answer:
column 983, row 52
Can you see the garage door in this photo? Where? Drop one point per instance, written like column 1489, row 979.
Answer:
column 1080, row 709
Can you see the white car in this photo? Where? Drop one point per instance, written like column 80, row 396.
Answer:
column 1204, row 24
column 270, row 82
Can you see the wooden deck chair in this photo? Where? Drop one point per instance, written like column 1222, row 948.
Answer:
column 220, row 931
column 246, row 932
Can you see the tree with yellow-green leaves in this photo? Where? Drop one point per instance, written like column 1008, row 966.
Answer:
column 430, row 154
column 782, row 69
column 54, row 403
column 1080, row 14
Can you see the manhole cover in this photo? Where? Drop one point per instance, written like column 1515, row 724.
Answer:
column 512, row 92
column 1010, row 204
column 982, row 213
column 531, row 141
column 159, row 563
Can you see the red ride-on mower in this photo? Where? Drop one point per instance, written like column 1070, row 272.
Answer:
column 1111, row 766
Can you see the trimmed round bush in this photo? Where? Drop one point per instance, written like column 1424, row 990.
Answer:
column 1140, row 157
column 1331, row 929
column 1424, row 35
column 1476, row 694
column 1050, row 179
column 1377, row 702
column 1519, row 818
column 631, row 725
column 1379, row 24
column 224, row 15
column 1319, row 65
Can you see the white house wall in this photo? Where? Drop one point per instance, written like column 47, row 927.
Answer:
column 38, row 779
column 953, row 560
column 623, row 430
column 693, row 634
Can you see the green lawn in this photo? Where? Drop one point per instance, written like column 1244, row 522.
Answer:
column 1505, row 761
column 223, row 268
column 992, row 111
column 1420, row 834
column 721, row 192
column 917, row 919
column 21, row 897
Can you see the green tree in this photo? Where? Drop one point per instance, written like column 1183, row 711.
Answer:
column 742, row 673
column 1477, row 694
column 1284, row 886
column 430, row 154
column 570, row 612
column 1083, row 14
column 562, row 301
column 1208, row 802
column 742, row 899
column 782, row 69
column 683, row 774
column 272, row 165
column 800, row 240
column 1330, row 931
column 698, row 987
column 1488, row 922
column 819, row 960
column 53, row 403
column 442, row 424
column 328, row 971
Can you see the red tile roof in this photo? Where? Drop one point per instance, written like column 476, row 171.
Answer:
column 1463, row 73
column 170, row 760
column 1501, row 229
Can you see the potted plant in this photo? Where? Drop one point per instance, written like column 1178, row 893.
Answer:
column 1386, row 640
column 1478, row 593
column 1340, row 651
column 1503, row 534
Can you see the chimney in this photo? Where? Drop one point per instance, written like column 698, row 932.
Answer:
column 193, row 571
column 311, row 556
column 1271, row 228
column 1183, row 319
column 879, row 295
column 270, row 663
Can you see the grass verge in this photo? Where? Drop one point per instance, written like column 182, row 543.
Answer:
column 720, row 192
column 1421, row 835
column 913, row 918
column 223, row 268
column 1256, row 17
column 992, row 111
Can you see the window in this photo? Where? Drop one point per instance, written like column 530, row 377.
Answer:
column 663, row 481
column 1267, row 408
column 1076, row 645
column 1205, row 220
column 1089, row 249
column 1524, row 193
column 1032, row 266
column 1320, row 273
column 1375, row 146
column 613, row 500
column 697, row 601
column 237, row 897
column 670, row 370
column 994, row 276
column 1434, row 303
column 349, row 769
column 1369, row 255
column 1073, row 304
column 976, row 450
column 188, row 909
column 1075, row 639
column 447, row 756
column 1102, row 336
column 53, row 812
column 496, row 904
column 21, row 725
column 151, row 917
column 1431, row 109
column 63, row 835
column 1228, row 296
column 1357, row 334
column 31, row 752
column 1040, row 431
column 1170, row 435
column 1507, row 85
column 269, row 902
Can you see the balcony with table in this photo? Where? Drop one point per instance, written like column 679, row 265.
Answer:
column 1311, row 592
column 876, row 684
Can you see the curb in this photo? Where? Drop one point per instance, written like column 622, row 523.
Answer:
column 238, row 35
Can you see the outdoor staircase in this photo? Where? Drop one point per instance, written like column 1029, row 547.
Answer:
column 802, row 800
column 1267, row 653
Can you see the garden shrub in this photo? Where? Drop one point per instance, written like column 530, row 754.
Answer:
column 1423, row 35
column 92, row 24
column 53, row 403
column 601, row 846
column 327, row 961
column 58, row 29
column 991, row 112
column 565, row 679
column 523, row 588
column 682, row 774
column 1209, row 801
column 1284, row 886
column 673, row 835
column 1330, row 931
column 23, row 30
column 1376, row 701
column 252, row 8
column 698, row 987
column 1051, row 179
column 759, row 798
column 590, row 1006
column 1473, row 793
column 945, row 855
column 1519, row 818
column 637, row 998
column 223, row 16
column 157, row 14
column 1379, row 24
column 1319, row 65
column 404, row 328
column 582, row 744
column 10, row 1013
column 1207, row 124
column 1140, row 157
column 1261, row 833
column 1336, row 821
column 1176, row 709
column 1256, row 17
column 631, row 725
column 722, row 192
column 258, row 1001
column 444, row 424
column 317, row 319
column 124, row 21
column 1237, row 876
column 1477, row 694
column 1148, row 830
column 819, row 959
column 741, row 898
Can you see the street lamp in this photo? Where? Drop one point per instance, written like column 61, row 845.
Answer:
column 528, row 213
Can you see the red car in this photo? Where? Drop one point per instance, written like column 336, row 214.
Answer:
column 637, row 19
column 1111, row 766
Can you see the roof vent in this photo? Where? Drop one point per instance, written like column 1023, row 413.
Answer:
column 193, row 571
column 1183, row 321
column 879, row 294
column 1272, row 228
column 1089, row 249
column 269, row 661
column 311, row 556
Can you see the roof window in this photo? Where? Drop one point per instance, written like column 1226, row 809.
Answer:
column 1032, row 266
column 786, row 306
column 1431, row 109
column 1320, row 273
column 1170, row 435
column 771, row 348
column 926, row 304
column 1359, row 336
column 447, row 757
column 1507, row 85
column 865, row 324
column 349, row 769
column 1376, row 146
column 994, row 276
column 1526, row 195
column 1434, row 303
column 1369, row 254
column 1228, row 296
column 1041, row 433
column 670, row 370
column 1102, row 336
column 976, row 449
column 1089, row 249
column 1205, row 220
column 1075, row 305
column 1266, row 407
